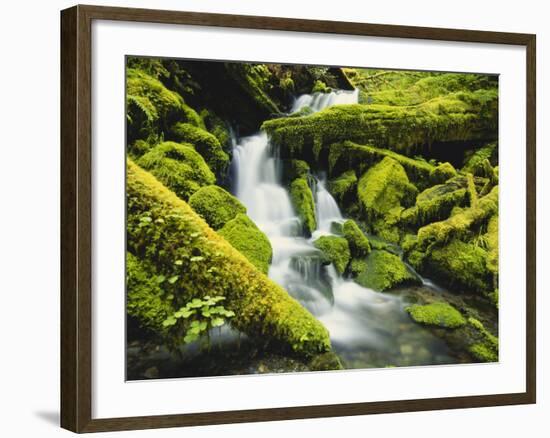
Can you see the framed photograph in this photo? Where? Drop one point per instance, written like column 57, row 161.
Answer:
column 268, row 218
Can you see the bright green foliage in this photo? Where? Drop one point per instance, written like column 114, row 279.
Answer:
column 320, row 87
column 358, row 243
column 151, row 108
column 196, row 261
column 460, row 224
column 460, row 264
column 438, row 314
column 199, row 316
column 442, row 173
column 303, row 202
column 460, row 116
column 356, row 266
column 205, row 144
column 179, row 167
column 246, row 237
column 383, row 191
column 336, row 249
column 485, row 347
column 215, row 205
column 343, row 188
column 385, row 271
column 436, row 203
column 348, row 155
column 148, row 297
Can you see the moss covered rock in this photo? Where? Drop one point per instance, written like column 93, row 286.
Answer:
column 442, row 173
column 437, row 314
column 303, row 202
column 246, row 237
column 485, row 345
column 344, row 188
column 385, row 271
column 178, row 166
column 205, row 144
column 294, row 169
column 152, row 108
column 216, row 205
column 358, row 243
column 163, row 230
column 336, row 249
column 326, row 362
column 383, row 192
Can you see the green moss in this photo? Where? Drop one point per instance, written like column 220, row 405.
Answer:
column 326, row 362
column 475, row 162
column 382, row 192
column 442, row 173
column 492, row 245
column 344, row 188
column 218, row 128
column 151, row 108
column 336, row 249
column 205, row 144
column 358, row 243
column 147, row 300
column 179, row 167
column 357, row 266
column 215, row 205
column 460, row 116
column 198, row 262
column 483, row 353
column 385, row 271
column 303, row 202
column 438, row 314
column 320, row 87
column 246, row 237
column 460, row 264
column 295, row 169
column 485, row 345
column 459, row 224
column 436, row 203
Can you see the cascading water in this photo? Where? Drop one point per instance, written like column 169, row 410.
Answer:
column 367, row 328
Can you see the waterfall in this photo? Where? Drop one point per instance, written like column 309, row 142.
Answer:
column 362, row 323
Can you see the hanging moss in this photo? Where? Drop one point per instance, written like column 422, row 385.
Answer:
column 302, row 199
column 442, row 173
column 358, row 243
column 460, row 264
column 385, row 271
column 215, row 205
column 438, row 314
column 336, row 249
column 296, row 169
column 205, row 144
column 151, row 108
column 196, row 261
column 179, row 167
column 382, row 192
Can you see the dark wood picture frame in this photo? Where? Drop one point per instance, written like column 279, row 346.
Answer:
column 76, row 217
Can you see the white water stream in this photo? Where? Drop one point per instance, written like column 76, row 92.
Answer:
column 367, row 328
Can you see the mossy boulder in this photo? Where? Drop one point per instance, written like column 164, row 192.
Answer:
column 437, row 314
column 436, row 203
column 460, row 264
column 385, row 271
column 152, row 108
column 195, row 261
column 383, row 193
column 326, row 362
column 336, row 250
column 246, row 237
column 216, row 205
column 344, row 188
column 178, row 166
column 205, row 144
column 358, row 243
column 442, row 173
column 302, row 200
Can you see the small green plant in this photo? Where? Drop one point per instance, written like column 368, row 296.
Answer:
column 200, row 316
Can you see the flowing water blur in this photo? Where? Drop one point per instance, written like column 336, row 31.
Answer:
column 367, row 328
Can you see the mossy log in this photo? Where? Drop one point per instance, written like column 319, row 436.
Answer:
column 163, row 230
column 302, row 199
